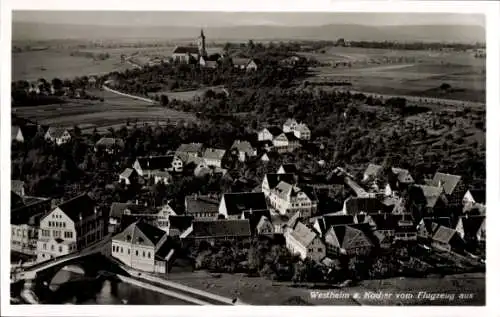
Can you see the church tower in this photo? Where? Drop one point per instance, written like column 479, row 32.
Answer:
column 201, row 44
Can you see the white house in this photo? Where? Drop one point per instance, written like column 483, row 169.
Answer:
column 146, row 165
column 143, row 247
column 302, row 132
column 289, row 199
column 128, row 176
column 304, row 241
column 269, row 133
column 72, row 226
column 286, row 142
column 57, row 135
column 290, row 125
column 264, row 226
column 214, row 157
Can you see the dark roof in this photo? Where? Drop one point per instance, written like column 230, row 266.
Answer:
column 196, row 204
column 254, row 217
column 155, row 162
column 345, row 235
column 166, row 246
column 386, row 221
column 16, row 201
column 479, row 195
column 355, row 205
column 109, row 142
column 79, row 206
column 274, row 179
column 289, row 168
column 30, row 211
column 56, row 132
column 221, row 228
column 236, row 203
column 190, row 148
column 448, row 181
column 29, row 130
column 186, row 50
column 326, row 222
column 291, row 136
column 180, row 222
column 118, row 209
column 275, row 131
column 141, row 232
column 472, row 224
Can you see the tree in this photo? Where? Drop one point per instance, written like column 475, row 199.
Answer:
column 164, row 100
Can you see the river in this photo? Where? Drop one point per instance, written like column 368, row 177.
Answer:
column 73, row 288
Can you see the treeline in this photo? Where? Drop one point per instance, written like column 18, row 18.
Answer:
column 94, row 56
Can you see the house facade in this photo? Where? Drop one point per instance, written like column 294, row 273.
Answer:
column 289, row 199
column 244, row 149
column 305, row 242
column 57, row 135
column 265, row 227
column 143, row 247
column 286, row 142
column 146, row 165
column 72, row 226
column 232, row 205
column 214, row 157
column 346, row 240
column 202, row 207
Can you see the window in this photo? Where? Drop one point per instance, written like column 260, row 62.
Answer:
column 113, row 248
column 45, row 246
column 52, row 248
column 136, row 253
column 56, row 233
column 121, row 249
column 320, row 250
column 143, row 254
column 149, row 255
column 129, row 251
column 18, row 232
column 64, row 225
column 60, row 249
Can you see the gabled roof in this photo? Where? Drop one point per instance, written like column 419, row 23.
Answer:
column 180, row 222
column 198, row 203
column 286, row 190
column 386, row 221
column 117, row 209
column 303, row 234
column 186, row 50
column 292, row 222
column 242, row 146
column 327, row 221
column 448, row 181
column 190, row 148
column 344, row 235
column 237, row 203
column 275, row 131
column 479, row 195
column 430, row 193
column 302, row 127
column 108, row 142
column 128, row 172
column 56, row 132
column 443, row 234
column 289, row 168
column 79, row 206
column 290, row 136
column 141, row 232
column 214, row 154
column 221, row 228
column 373, row 170
column 254, row 216
column 262, row 221
column 403, row 175
column 369, row 205
column 274, row 179
column 472, row 224
column 155, row 162
column 14, row 131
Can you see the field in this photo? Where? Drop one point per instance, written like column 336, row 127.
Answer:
column 114, row 112
column 414, row 73
column 260, row 291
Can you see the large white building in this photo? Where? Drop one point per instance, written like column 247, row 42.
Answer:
column 289, row 199
column 72, row 226
column 142, row 246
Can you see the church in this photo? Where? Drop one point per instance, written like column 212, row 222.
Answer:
column 188, row 54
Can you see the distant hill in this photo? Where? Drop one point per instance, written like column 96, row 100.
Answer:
column 405, row 33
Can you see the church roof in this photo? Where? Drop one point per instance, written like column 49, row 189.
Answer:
column 186, row 50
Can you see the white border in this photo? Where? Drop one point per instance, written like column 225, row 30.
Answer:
column 490, row 8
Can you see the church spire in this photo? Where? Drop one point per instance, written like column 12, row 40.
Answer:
column 201, row 44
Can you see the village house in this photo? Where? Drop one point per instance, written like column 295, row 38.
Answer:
column 244, row 150
column 474, row 197
column 72, row 226
column 323, row 223
column 269, row 133
column 254, row 216
column 265, row 226
column 289, row 199
column 362, row 205
column 453, row 187
column 302, row 132
column 247, row 64
column 447, row 239
column 287, row 169
column 210, row 61
column 129, row 176
column 232, row 205
column 286, row 142
column 389, row 184
column 146, row 165
column 290, row 125
column 303, row 241
column 212, row 231
column 143, row 247
column 110, row 145
column 202, row 206
column 347, row 240
column 25, row 216
column 214, row 157
column 58, row 135
column 279, row 223
column 428, row 226
column 163, row 177
column 189, row 151
column 271, row 180
column 431, row 198
column 123, row 214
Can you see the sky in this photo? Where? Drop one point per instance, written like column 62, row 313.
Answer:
column 227, row 19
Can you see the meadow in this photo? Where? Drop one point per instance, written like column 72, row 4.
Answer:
column 114, row 112
column 413, row 73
